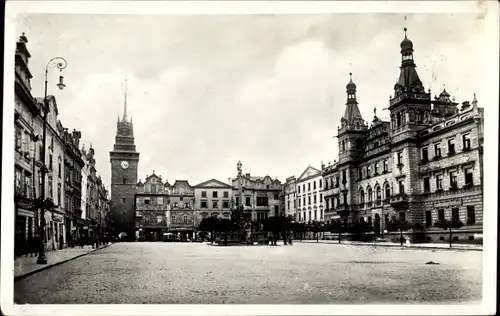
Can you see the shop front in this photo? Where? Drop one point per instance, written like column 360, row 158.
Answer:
column 183, row 234
column 25, row 226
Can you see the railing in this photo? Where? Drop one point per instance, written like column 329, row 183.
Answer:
column 399, row 199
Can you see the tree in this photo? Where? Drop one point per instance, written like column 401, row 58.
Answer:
column 210, row 224
column 225, row 226
column 337, row 227
column 396, row 224
column 360, row 228
column 447, row 224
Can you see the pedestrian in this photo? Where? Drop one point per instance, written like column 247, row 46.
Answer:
column 270, row 238
column 61, row 241
column 290, row 238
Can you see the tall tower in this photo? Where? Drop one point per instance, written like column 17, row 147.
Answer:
column 124, row 162
column 351, row 137
column 410, row 110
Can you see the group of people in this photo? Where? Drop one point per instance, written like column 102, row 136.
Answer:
column 273, row 238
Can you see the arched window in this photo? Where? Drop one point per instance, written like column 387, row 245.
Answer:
column 398, row 119
column 370, row 194
column 378, row 193
column 361, row 196
column 387, row 191
column 185, row 219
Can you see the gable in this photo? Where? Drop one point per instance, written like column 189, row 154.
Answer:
column 213, row 183
column 308, row 173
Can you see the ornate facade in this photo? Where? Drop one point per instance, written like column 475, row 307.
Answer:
column 423, row 165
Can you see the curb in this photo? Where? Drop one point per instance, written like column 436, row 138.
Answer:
column 396, row 246
column 22, row 276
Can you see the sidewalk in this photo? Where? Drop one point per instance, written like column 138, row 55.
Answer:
column 393, row 244
column 25, row 265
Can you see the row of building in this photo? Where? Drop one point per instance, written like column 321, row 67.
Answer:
column 423, row 165
column 72, row 183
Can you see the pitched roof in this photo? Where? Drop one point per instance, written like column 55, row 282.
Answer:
column 213, row 183
column 309, row 172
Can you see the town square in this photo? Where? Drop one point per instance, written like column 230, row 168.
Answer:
column 276, row 159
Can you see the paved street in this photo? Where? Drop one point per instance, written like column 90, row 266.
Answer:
column 168, row 273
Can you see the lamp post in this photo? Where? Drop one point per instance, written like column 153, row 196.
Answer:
column 61, row 64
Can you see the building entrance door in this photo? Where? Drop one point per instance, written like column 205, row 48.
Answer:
column 377, row 225
column 20, row 236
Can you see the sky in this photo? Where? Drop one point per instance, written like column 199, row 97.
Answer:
column 269, row 90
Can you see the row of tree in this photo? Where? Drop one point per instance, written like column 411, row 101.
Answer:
column 284, row 226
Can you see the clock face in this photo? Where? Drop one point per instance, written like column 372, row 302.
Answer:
column 124, row 164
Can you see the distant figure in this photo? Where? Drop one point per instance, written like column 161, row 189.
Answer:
column 290, row 235
column 270, row 238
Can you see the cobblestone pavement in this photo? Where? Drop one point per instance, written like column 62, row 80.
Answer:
column 176, row 273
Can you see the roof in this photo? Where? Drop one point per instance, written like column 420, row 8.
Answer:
column 213, row 183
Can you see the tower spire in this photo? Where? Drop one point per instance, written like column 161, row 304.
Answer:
column 125, row 104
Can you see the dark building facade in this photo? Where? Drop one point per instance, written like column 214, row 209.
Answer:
column 124, row 167
column 423, row 165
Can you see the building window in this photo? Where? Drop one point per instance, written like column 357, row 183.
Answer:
column 215, row 204
column 225, row 204
column 298, row 189
column 471, row 215
column 18, row 181
column 123, row 200
column 441, row 215
column 173, row 219
column 387, row 191
column 437, row 150
column 370, row 194
column 401, row 184
column 263, row 201
column 386, row 165
column 51, row 189
column 304, row 201
column 320, row 197
column 304, row 187
column 203, row 194
column 320, row 183
column 466, row 142
column 124, row 181
column 146, row 201
column 247, row 201
column 425, row 154
column 453, row 179
column 50, row 162
column 428, row 218
column 375, row 171
column 298, row 200
column 451, row 146
column 309, row 186
column 337, row 179
column 159, row 219
column 214, row 194
column 315, row 199
column 276, row 196
column 368, row 171
column 344, row 177
column 309, row 200
column 226, row 194
column 439, row 182
column 153, row 188
column 455, row 217
column 18, row 138
column 345, row 198
column 314, row 185
column 203, row 204
column 59, row 162
column 468, row 177
column 361, row 197
column 400, row 158
column 402, row 216
column 427, row 184
column 59, row 197
column 378, row 193
column 360, row 174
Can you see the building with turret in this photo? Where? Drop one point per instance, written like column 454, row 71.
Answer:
column 423, row 165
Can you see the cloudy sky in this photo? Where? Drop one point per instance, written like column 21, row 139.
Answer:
column 269, row 90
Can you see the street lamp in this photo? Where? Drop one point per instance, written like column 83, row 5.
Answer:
column 61, row 63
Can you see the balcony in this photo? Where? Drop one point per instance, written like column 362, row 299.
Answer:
column 400, row 201
column 453, row 186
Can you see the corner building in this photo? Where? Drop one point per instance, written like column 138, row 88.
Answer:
column 424, row 165
column 124, row 163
